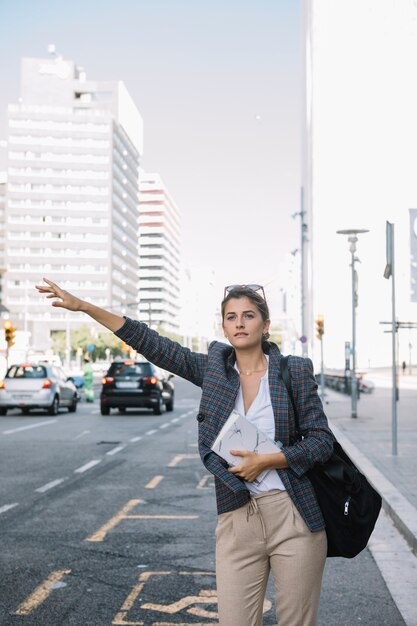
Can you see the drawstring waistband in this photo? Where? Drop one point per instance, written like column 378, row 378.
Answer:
column 253, row 508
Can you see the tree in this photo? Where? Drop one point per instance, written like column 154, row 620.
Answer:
column 82, row 337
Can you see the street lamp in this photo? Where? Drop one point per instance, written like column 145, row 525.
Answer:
column 352, row 238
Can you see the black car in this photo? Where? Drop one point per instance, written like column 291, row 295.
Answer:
column 136, row 384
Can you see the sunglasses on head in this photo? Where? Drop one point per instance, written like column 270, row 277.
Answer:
column 230, row 288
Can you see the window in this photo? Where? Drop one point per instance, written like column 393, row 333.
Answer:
column 26, row 371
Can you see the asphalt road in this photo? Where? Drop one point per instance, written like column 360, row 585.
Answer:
column 110, row 520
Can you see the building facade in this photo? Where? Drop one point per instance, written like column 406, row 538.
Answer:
column 3, row 188
column 74, row 149
column 159, row 255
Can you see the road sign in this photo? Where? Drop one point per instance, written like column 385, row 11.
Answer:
column 303, row 339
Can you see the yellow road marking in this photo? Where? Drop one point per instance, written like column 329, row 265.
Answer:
column 124, row 514
column 162, row 516
column 42, row 592
column 120, row 618
column 203, row 482
column 180, row 457
column 114, row 521
column 207, row 598
column 154, row 482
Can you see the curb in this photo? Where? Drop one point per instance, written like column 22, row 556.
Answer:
column 400, row 510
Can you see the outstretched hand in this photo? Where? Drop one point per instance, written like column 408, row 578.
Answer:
column 66, row 299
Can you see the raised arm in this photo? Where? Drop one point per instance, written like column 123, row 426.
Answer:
column 161, row 351
column 72, row 303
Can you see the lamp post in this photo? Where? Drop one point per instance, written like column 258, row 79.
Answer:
column 352, row 238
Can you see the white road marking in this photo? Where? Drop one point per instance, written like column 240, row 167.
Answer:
column 165, row 425
column 115, row 450
column 176, row 419
column 7, row 507
column 135, row 439
column 85, row 432
column 95, row 411
column 150, row 432
column 50, row 485
column 87, row 466
column 16, row 430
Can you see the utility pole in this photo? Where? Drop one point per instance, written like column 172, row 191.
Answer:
column 352, row 239
column 303, row 277
column 390, row 273
column 320, row 333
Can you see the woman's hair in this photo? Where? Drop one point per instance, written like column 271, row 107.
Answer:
column 253, row 296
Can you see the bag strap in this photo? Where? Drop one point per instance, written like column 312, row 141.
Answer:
column 286, row 378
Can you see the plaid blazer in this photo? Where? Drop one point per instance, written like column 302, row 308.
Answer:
column 219, row 380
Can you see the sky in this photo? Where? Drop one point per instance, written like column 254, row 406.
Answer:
column 218, row 85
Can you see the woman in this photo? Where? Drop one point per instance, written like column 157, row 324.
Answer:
column 277, row 525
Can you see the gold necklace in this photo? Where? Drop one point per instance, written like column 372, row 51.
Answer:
column 250, row 372
column 253, row 371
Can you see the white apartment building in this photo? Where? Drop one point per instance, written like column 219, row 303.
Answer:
column 74, row 148
column 159, row 254
column 360, row 134
column 3, row 187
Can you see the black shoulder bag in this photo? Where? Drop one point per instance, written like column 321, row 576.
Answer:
column 349, row 504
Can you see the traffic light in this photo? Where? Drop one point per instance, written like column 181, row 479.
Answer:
column 320, row 326
column 9, row 333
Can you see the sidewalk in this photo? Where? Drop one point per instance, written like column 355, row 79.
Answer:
column 395, row 477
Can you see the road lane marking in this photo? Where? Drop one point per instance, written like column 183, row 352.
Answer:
column 114, row 521
column 87, row 466
column 95, row 411
column 154, row 482
column 203, row 482
column 124, row 514
column 180, row 457
column 50, row 485
column 85, row 432
column 42, row 592
column 115, row 450
column 7, row 507
column 205, row 596
column 176, row 419
column 146, row 577
column 150, row 432
column 135, row 439
column 165, row 425
column 17, row 430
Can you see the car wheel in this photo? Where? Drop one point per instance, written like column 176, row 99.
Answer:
column 54, row 408
column 3, row 411
column 158, row 409
column 170, row 404
column 73, row 406
column 105, row 410
column 122, row 409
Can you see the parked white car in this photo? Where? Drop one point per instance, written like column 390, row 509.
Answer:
column 37, row 386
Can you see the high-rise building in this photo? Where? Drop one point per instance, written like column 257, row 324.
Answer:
column 74, row 149
column 3, row 184
column 360, row 133
column 159, row 254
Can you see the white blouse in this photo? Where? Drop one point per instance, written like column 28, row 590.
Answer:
column 261, row 414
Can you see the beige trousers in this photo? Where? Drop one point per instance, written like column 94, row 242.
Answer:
column 268, row 533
